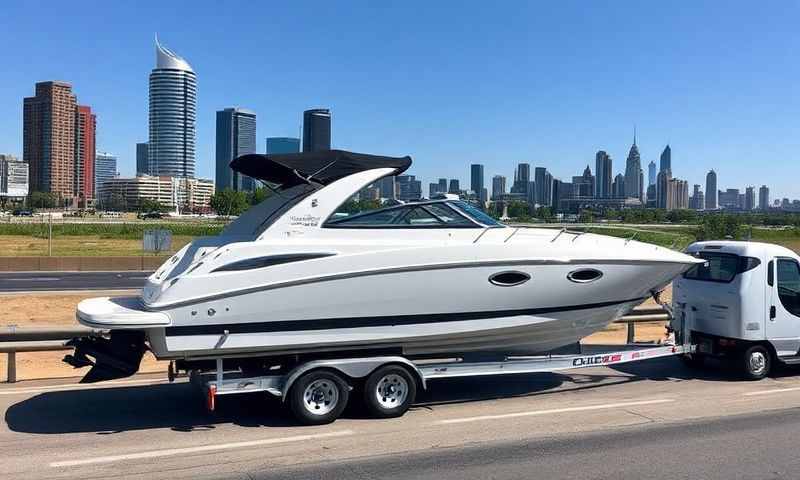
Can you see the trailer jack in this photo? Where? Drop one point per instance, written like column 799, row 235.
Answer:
column 117, row 356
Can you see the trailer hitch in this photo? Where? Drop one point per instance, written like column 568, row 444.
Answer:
column 117, row 356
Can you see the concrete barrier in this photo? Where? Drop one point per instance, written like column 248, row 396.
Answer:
column 75, row 264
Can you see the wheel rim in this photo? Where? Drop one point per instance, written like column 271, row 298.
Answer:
column 320, row 397
column 757, row 362
column 391, row 391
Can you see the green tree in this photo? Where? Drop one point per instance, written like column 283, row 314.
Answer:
column 258, row 195
column 42, row 200
column 518, row 210
column 229, row 202
column 147, row 205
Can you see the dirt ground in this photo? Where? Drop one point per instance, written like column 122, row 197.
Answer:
column 58, row 309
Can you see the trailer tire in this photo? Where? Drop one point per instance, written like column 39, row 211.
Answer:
column 389, row 391
column 318, row 397
column 756, row 362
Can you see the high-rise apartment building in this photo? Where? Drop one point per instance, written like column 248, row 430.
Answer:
column 711, row 190
column 750, row 198
column 283, row 145
column 48, row 138
column 662, row 188
column 633, row 172
column 442, row 185
column 408, row 188
column 387, row 187
column 173, row 111
column 666, row 159
column 651, row 173
column 105, row 168
column 618, row 187
column 316, row 130
column 730, row 199
column 541, row 195
column 85, row 132
column 498, row 187
column 763, row 198
column 454, row 186
column 141, row 159
column 476, row 181
column 602, row 171
column 236, row 136
column 522, row 180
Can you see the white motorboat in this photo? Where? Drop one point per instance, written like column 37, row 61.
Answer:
column 291, row 276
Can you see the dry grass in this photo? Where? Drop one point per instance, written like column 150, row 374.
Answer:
column 84, row 245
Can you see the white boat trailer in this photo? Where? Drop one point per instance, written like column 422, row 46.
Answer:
column 317, row 390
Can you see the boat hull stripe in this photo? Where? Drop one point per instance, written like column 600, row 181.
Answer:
column 382, row 321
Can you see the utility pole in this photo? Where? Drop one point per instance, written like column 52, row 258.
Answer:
column 50, row 235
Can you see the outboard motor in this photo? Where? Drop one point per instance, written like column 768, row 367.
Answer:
column 117, row 356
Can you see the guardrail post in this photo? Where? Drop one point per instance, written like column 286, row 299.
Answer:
column 631, row 332
column 11, row 376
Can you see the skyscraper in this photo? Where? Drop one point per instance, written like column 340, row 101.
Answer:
column 454, row 186
column 142, row 163
column 763, row 198
column 85, row 131
column 663, row 182
column 633, row 168
column 618, row 187
column 651, row 173
column 711, row 190
column 409, row 188
column 666, row 159
column 173, row 98
column 387, row 187
column 540, row 185
column 498, row 187
column 316, row 130
column 522, row 179
column 750, row 198
column 283, row 145
column 236, row 135
column 105, row 168
column 583, row 186
column 49, row 138
column 476, row 181
column 442, row 185
column 602, row 171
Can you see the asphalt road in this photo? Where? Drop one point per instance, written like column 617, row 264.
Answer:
column 67, row 281
column 653, row 419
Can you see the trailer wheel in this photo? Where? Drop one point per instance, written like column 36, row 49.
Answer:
column 318, row 397
column 389, row 391
column 756, row 362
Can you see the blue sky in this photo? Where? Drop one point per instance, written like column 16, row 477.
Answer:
column 450, row 82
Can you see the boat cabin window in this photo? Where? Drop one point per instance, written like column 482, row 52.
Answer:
column 789, row 285
column 720, row 267
column 434, row 215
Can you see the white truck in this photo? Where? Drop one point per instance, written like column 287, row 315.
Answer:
column 742, row 305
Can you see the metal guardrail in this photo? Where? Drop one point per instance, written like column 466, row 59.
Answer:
column 14, row 339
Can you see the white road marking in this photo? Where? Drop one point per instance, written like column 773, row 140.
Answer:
column 79, row 386
column 555, row 410
column 203, row 448
column 32, row 279
column 771, row 391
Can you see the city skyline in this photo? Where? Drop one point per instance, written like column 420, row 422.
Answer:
column 509, row 126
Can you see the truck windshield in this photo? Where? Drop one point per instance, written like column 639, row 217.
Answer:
column 720, row 267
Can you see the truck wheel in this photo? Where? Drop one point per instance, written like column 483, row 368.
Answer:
column 318, row 397
column 756, row 362
column 389, row 391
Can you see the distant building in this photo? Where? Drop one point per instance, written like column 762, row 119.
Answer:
column 602, row 170
column 633, row 172
column 666, row 159
column 542, row 186
column 173, row 112
column 408, row 188
column 498, row 186
column 697, row 200
column 618, row 187
column 750, row 198
column 711, row 190
column 476, row 181
column 48, row 138
column 13, row 177
column 433, row 190
column 583, row 186
column 651, row 173
column 283, row 145
column 236, row 135
column 677, row 194
column 387, row 187
column 142, row 161
column 522, row 180
column 316, row 130
column 652, row 201
column 763, row 198
column 730, row 199
column 105, row 168
column 663, row 180
column 85, row 133
column 180, row 193
column 454, row 187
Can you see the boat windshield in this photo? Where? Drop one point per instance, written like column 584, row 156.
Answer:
column 475, row 213
column 258, row 218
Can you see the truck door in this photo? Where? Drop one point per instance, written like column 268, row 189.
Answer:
column 783, row 320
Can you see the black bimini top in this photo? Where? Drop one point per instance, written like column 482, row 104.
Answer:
column 289, row 169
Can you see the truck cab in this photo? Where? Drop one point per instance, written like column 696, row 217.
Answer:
column 742, row 304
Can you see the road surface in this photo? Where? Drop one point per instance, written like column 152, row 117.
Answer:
column 70, row 281
column 654, row 419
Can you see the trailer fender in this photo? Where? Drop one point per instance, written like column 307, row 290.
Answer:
column 351, row 367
